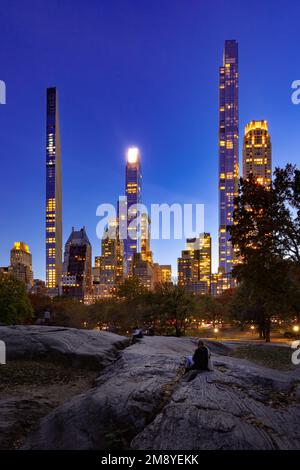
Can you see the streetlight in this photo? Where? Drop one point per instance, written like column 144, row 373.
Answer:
column 216, row 331
column 252, row 327
column 296, row 329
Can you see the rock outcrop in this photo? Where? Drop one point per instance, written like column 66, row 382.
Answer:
column 127, row 396
column 143, row 400
column 78, row 348
column 237, row 406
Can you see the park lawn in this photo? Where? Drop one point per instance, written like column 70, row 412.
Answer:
column 274, row 357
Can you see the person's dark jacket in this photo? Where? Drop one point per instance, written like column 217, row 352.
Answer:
column 200, row 358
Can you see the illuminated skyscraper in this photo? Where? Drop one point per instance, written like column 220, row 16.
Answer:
column 77, row 267
column 257, row 152
column 112, row 256
column 133, row 194
column 194, row 266
column 228, row 150
column 53, row 195
column 145, row 237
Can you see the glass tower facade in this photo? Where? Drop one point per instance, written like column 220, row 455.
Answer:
column 133, row 194
column 228, row 150
column 53, row 195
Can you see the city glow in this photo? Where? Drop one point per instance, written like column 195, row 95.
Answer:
column 132, row 155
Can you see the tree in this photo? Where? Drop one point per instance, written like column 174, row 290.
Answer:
column 15, row 306
column 40, row 303
column 131, row 296
column 68, row 312
column 207, row 308
column 266, row 234
column 176, row 305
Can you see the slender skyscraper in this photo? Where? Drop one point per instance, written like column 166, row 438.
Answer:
column 257, row 152
column 53, row 195
column 133, row 194
column 228, row 150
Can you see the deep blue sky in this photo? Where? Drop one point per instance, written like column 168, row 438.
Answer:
column 142, row 72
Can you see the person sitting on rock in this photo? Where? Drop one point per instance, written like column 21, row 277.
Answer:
column 201, row 358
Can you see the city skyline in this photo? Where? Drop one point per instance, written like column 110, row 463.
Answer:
column 169, row 186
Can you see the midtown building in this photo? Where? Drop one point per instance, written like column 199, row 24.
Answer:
column 77, row 266
column 166, row 273
column 145, row 271
column 53, row 195
column 220, row 282
column 228, row 150
column 39, row 287
column 145, row 235
column 143, row 266
column 195, row 264
column 133, row 179
column 109, row 267
column 257, row 152
column 21, row 263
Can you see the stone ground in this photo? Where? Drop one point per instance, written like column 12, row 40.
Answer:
column 110, row 396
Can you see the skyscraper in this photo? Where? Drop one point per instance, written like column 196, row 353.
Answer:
column 228, row 150
column 77, row 267
column 21, row 263
column 194, row 266
column 257, row 152
column 53, row 195
column 111, row 261
column 145, row 237
column 133, row 194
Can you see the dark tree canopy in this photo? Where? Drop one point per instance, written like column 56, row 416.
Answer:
column 15, row 306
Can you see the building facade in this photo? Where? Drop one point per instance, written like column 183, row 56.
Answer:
column 21, row 263
column 77, row 266
column 111, row 261
column 228, row 150
column 53, row 195
column 166, row 273
column 195, row 265
column 257, row 152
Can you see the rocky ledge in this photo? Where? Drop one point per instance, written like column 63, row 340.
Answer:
column 143, row 400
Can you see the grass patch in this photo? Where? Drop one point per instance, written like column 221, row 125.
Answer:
column 28, row 373
column 274, row 357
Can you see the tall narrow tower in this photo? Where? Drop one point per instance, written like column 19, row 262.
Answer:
column 257, row 152
column 228, row 150
column 133, row 194
column 53, row 195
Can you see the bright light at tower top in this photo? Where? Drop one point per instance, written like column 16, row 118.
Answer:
column 133, row 155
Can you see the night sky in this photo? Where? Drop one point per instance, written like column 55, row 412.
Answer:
column 134, row 72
